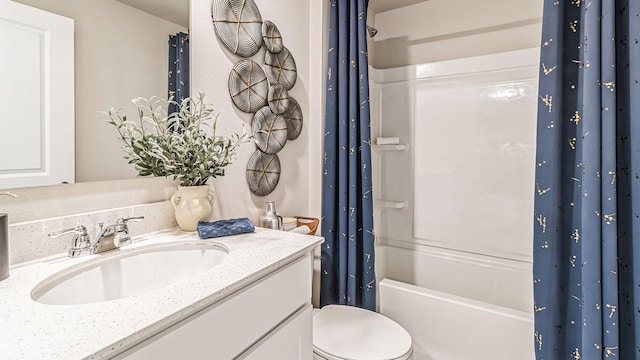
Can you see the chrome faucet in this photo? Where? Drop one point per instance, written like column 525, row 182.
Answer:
column 109, row 237
column 114, row 236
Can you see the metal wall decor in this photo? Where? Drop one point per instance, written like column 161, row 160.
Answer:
column 238, row 25
column 260, row 90
column 271, row 37
column 278, row 99
column 263, row 173
column 248, row 86
column 281, row 68
column 269, row 130
column 293, row 116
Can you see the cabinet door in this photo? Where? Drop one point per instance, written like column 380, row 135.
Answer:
column 292, row 340
column 37, row 97
column 232, row 325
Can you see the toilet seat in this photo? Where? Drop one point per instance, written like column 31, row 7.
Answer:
column 345, row 332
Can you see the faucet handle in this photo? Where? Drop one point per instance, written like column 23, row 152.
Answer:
column 81, row 242
column 122, row 237
column 133, row 218
column 79, row 230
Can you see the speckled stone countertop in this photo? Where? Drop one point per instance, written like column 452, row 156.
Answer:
column 31, row 330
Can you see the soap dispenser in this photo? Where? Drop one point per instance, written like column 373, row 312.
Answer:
column 270, row 219
column 4, row 242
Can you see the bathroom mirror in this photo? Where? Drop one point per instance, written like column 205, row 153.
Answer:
column 121, row 52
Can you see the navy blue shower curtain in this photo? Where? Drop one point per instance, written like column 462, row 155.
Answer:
column 587, row 196
column 348, row 275
column 179, row 87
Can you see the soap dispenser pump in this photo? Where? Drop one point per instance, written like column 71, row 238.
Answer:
column 4, row 242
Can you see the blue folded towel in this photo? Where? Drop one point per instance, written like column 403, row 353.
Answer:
column 221, row 228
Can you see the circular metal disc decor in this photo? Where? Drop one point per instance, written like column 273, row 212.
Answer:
column 269, row 130
column 271, row 37
column 278, row 99
column 263, row 173
column 248, row 86
column 281, row 68
column 293, row 115
column 238, row 25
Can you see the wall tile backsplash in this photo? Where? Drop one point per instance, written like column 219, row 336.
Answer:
column 29, row 241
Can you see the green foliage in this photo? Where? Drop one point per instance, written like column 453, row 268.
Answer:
column 182, row 145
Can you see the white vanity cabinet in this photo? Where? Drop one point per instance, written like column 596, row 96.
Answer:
column 254, row 304
column 271, row 318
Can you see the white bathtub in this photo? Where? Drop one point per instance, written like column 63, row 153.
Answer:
column 449, row 327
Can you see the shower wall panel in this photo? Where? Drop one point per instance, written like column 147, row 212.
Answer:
column 468, row 173
column 474, row 160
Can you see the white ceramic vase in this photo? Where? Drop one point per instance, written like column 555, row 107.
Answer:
column 192, row 204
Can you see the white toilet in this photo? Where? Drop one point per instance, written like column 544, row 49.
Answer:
column 345, row 332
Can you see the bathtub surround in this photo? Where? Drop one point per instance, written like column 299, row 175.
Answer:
column 587, row 199
column 348, row 272
column 447, row 43
column 452, row 238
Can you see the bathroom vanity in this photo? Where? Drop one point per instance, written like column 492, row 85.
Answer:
column 251, row 302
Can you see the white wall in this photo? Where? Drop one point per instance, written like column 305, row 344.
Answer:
column 120, row 54
column 438, row 30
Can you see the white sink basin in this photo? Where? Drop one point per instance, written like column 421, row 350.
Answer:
column 131, row 272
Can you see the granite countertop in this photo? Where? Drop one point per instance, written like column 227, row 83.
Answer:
column 31, row 330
